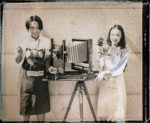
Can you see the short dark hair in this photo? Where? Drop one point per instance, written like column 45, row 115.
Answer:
column 122, row 42
column 34, row 18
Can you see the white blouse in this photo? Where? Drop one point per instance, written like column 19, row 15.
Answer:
column 28, row 42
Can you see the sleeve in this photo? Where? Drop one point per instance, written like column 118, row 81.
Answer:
column 18, row 58
column 117, row 70
column 100, row 61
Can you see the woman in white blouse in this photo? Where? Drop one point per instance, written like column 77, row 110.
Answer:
column 111, row 105
column 32, row 53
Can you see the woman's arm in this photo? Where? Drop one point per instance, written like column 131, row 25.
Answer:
column 19, row 51
column 117, row 70
column 101, row 75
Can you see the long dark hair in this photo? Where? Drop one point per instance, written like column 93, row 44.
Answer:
column 122, row 42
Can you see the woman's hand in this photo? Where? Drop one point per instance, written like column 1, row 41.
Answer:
column 19, row 54
column 20, row 51
column 100, row 76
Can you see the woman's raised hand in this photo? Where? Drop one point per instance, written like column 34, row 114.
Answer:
column 19, row 55
column 19, row 50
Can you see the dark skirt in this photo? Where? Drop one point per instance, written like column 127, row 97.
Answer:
column 34, row 96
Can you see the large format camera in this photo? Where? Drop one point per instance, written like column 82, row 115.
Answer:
column 72, row 61
column 60, row 61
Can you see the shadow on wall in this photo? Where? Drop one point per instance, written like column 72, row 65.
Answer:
column 132, row 46
column 45, row 34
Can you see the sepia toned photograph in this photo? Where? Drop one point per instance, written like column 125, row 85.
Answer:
column 72, row 62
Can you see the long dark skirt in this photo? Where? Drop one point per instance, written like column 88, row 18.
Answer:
column 34, row 96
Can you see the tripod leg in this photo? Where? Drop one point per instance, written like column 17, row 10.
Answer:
column 81, row 102
column 70, row 102
column 89, row 101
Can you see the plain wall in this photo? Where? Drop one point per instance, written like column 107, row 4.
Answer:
column 65, row 21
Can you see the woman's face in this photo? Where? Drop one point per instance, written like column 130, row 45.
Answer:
column 115, row 36
column 34, row 30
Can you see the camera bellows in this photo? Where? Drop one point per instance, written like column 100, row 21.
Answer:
column 77, row 52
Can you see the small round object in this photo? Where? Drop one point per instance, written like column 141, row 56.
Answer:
column 28, row 53
column 52, row 70
column 34, row 51
column 40, row 54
